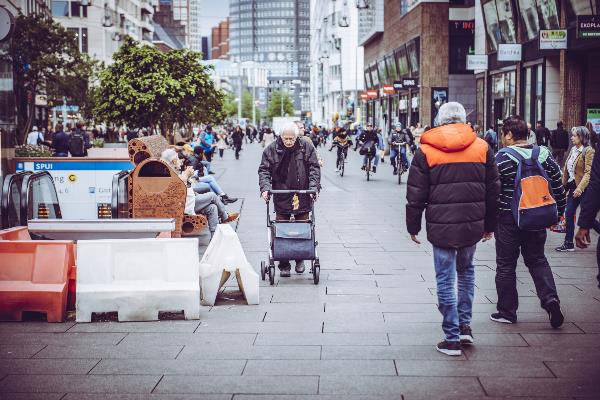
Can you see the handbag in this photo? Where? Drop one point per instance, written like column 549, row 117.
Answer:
column 293, row 241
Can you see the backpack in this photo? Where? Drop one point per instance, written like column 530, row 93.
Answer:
column 533, row 205
column 77, row 145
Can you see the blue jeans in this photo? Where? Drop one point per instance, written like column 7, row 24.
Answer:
column 450, row 263
column 210, row 182
column 403, row 157
column 570, row 211
column 206, row 165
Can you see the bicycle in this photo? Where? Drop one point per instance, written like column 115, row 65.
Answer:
column 370, row 156
column 341, row 163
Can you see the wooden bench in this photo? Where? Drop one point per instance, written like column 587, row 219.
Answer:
column 155, row 191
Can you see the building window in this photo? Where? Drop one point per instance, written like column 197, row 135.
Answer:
column 60, row 8
column 461, row 43
column 412, row 52
column 500, row 22
column 73, row 9
column 538, row 14
column 502, row 97
column 81, row 37
column 583, row 7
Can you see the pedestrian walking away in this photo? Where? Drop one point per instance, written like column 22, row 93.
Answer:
column 518, row 202
column 289, row 164
column 590, row 206
column 454, row 177
column 576, row 178
column 559, row 143
column 237, row 137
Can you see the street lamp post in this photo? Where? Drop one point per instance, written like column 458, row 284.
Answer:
column 240, row 91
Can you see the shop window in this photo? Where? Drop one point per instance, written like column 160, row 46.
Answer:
column 503, row 102
column 527, row 95
column 480, row 99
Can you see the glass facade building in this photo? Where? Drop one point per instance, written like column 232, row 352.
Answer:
column 275, row 33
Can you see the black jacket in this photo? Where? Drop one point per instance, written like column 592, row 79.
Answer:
column 590, row 205
column 454, row 178
column 60, row 143
column 559, row 139
column 542, row 136
column 404, row 136
column 309, row 174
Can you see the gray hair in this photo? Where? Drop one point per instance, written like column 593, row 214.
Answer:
column 291, row 127
column 583, row 133
column 452, row 113
column 169, row 155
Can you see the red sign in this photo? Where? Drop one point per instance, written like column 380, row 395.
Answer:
column 364, row 95
column 388, row 89
column 372, row 94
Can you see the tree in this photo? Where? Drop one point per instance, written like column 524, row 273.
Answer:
column 146, row 88
column 274, row 107
column 247, row 106
column 45, row 57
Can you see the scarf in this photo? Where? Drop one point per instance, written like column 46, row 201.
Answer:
column 287, row 171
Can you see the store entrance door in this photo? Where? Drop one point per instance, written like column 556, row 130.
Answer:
column 498, row 114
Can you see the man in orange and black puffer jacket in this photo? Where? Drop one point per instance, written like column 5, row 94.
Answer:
column 454, row 178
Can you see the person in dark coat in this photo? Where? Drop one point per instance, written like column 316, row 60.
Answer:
column 237, row 137
column 542, row 134
column 559, row 142
column 287, row 164
column 60, row 142
column 454, row 179
column 590, row 205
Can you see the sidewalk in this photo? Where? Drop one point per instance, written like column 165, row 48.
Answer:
column 367, row 331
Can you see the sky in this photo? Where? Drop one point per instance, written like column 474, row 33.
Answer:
column 211, row 13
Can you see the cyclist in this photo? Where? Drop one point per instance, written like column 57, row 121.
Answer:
column 398, row 139
column 369, row 142
column 342, row 141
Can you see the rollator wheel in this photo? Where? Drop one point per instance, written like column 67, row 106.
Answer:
column 316, row 272
column 272, row 275
column 263, row 270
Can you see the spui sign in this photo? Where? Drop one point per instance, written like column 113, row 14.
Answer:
column 588, row 26
column 553, row 39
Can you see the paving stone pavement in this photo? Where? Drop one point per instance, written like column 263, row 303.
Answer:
column 367, row 331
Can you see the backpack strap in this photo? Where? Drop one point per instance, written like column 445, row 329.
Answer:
column 535, row 153
column 515, row 154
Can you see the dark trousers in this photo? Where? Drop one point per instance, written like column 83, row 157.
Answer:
column 221, row 151
column 287, row 217
column 238, row 148
column 510, row 242
column 208, row 155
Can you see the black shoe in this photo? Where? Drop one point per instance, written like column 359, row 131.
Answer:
column 555, row 313
column 395, row 171
column 300, row 267
column 285, row 273
column 449, row 348
column 497, row 317
column 565, row 247
column 228, row 200
column 211, row 173
column 466, row 335
column 374, row 170
column 364, row 167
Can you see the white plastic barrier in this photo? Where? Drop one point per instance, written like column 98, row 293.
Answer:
column 137, row 278
column 223, row 257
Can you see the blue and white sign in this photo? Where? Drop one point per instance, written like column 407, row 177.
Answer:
column 81, row 185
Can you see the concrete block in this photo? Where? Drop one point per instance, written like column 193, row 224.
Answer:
column 137, row 278
column 224, row 257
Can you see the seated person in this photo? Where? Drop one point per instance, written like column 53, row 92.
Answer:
column 204, row 183
column 194, row 153
column 208, row 204
column 369, row 142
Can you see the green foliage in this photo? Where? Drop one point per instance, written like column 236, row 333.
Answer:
column 46, row 60
column 274, row 107
column 98, row 142
column 146, row 88
column 29, row 150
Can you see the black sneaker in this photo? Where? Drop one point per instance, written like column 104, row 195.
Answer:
column 497, row 317
column 395, row 171
column 228, row 200
column 555, row 313
column 364, row 167
column 211, row 173
column 449, row 348
column 565, row 247
column 374, row 170
column 466, row 335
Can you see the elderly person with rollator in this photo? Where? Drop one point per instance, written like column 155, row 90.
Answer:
column 290, row 164
column 208, row 204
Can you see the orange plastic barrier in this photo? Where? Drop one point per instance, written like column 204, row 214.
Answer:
column 16, row 233
column 34, row 277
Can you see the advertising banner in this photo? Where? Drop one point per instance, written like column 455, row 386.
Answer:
column 593, row 115
column 554, row 39
column 83, row 187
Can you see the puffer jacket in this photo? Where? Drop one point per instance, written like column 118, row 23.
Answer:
column 309, row 175
column 454, row 178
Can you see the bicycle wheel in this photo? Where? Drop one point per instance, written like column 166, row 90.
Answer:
column 342, row 163
column 400, row 172
column 368, row 169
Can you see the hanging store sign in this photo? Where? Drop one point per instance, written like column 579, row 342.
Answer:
column 593, row 115
column 372, row 94
column 509, row 52
column 553, row 39
column 398, row 86
column 364, row 96
column 476, row 62
column 410, row 83
column 588, row 26
column 388, row 89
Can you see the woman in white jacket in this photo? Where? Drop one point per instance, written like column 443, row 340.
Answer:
column 268, row 137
